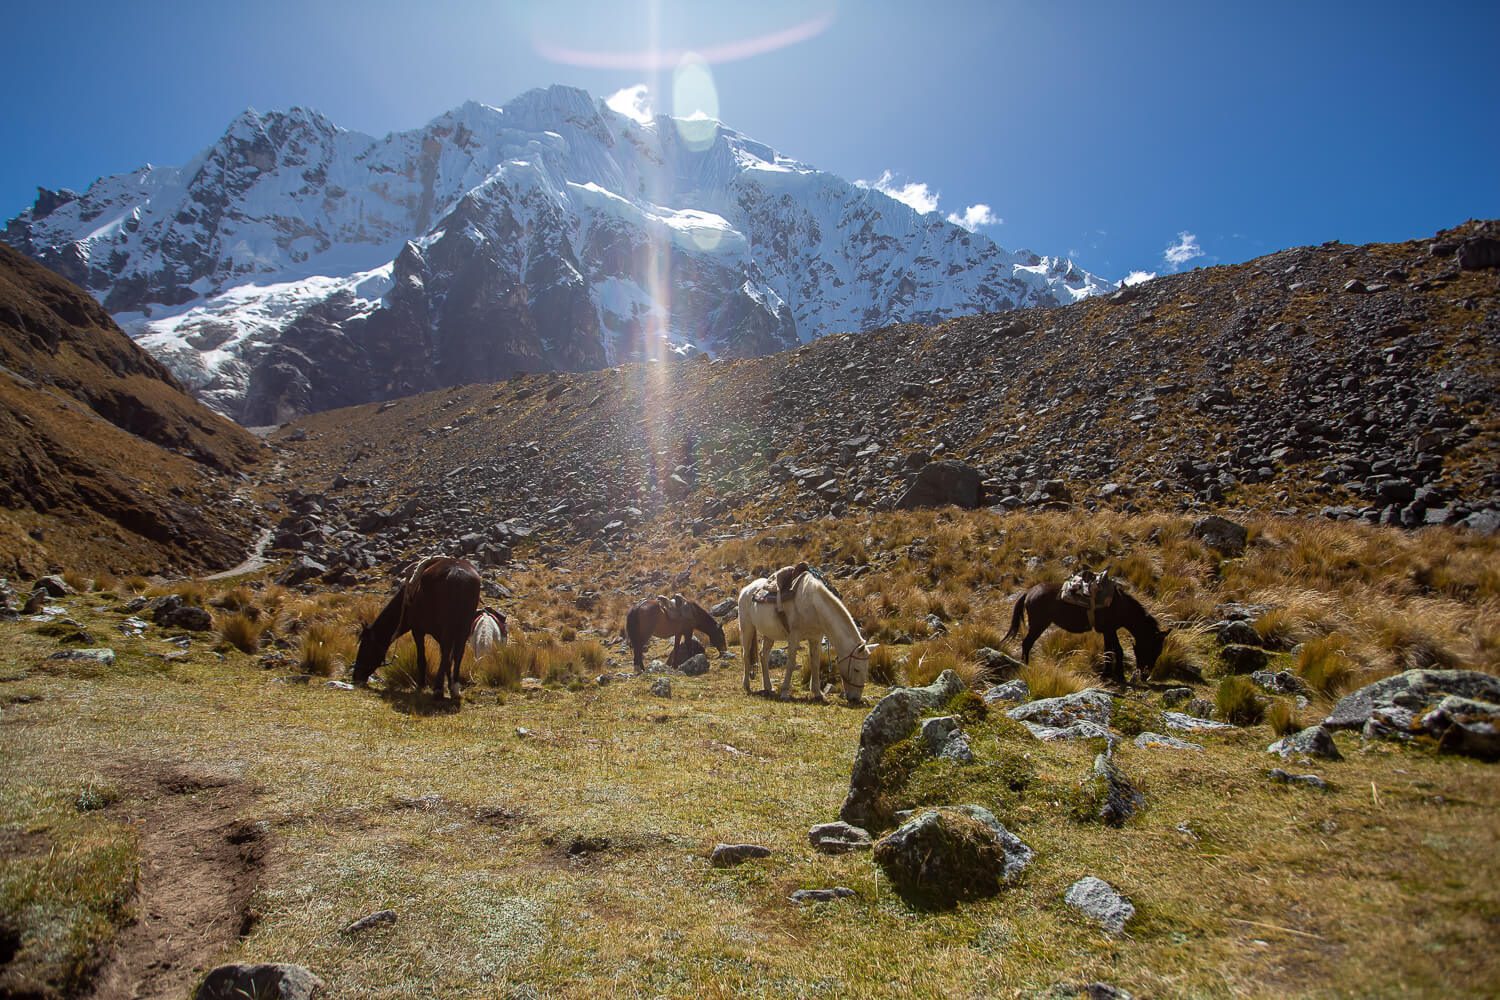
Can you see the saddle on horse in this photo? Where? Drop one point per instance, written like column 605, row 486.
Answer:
column 779, row 587
column 677, row 610
column 1090, row 591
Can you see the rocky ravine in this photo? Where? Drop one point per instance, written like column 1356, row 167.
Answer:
column 1337, row 380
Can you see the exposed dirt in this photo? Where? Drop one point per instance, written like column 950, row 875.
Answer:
column 200, row 864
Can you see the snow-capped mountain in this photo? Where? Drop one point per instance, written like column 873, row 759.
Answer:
column 296, row 266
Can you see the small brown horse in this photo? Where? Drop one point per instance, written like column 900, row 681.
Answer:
column 649, row 618
column 438, row 598
column 1043, row 605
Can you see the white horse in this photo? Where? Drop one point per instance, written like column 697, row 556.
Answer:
column 812, row 612
column 488, row 632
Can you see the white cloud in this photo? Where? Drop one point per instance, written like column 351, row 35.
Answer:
column 1185, row 249
column 632, row 102
column 1136, row 277
column 975, row 216
column 916, row 194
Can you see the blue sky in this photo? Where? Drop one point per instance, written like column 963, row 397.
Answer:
column 1133, row 136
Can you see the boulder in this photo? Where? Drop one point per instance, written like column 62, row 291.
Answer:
column 53, row 586
column 1279, row 776
column 1015, row 690
column 945, row 482
column 1221, row 534
column 1279, row 682
column 839, row 838
column 944, row 737
column 1100, row 902
column 187, row 616
column 1240, row 633
column 1479, row 252
column 101, row 655
column 1314, row 741
column 1176, row 696
column 1109, row 796
column 1191, row 723
column 695, row 666
column 1238, row 659
column 301, row 571
column 996, row 666
column 1093, row 705
column 891, row 720
column 1464, row 726
column 729, row 855
column 1146, row 741
column 684, row 650
column 661, row 687
column 1413, row 691
column 943, row 856
column 821, row 895
column 264, row 982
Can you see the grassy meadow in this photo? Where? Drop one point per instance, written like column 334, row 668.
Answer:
column 551, row 837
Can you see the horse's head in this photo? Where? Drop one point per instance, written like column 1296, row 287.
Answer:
column 715, row 633
column 369, row 657
column 854, row 671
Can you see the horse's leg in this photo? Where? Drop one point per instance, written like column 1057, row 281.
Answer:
column 748, row 650
column 1115, row 671
column 1034, row 630
column 420, row 638
column 815, row 660
column 765, row 663
column 793, row 640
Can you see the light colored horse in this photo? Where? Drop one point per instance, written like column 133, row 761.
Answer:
column 488, row 633
column 812, row 612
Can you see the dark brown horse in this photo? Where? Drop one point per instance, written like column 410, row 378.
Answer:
column 649, row 618
column 438, row 598
column 1042, row 605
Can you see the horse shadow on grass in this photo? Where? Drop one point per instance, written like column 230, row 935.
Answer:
column 418, row 702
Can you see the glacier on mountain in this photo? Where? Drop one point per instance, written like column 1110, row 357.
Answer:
column 296, row 265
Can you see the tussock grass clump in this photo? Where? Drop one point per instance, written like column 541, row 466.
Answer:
column 238, row 598
column 1413, row 647
column 191, row 592
column 547, row 660
column 1238, row 700
column 1049, row 679
column 400, row 672
column 1325, row 665
column 884, row 668
column 970, row 636
column 326, row 648
column 1281, row 716
column 1179, row 660
column 927, row 661
column 242, row 631
column 78, row 581
column 135, row 584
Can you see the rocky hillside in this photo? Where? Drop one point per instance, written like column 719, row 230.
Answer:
column 296, row 266
column 108, row 462
column 1338, row 381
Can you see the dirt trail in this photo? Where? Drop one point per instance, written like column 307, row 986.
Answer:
column 254, row 561
column 200, row 864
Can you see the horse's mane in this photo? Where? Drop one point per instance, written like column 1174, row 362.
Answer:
column 809, row 579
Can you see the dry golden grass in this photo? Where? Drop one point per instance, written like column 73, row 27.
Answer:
column 1282, row 716
column 241, row 630
column 1325, row 665
column 326, row 649
column 1239, row 701
column 1050, row 679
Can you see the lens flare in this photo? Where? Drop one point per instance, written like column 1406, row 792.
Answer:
column 695, row 102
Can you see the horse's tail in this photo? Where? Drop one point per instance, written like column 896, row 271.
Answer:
column 632, row 626
column 1015, row 619
column 750, row 652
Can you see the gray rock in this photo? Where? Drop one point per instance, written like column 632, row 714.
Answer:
column 945, row 482
column 695, row 666
column 996, row 666
column 1147, row 741
column 1413, row 691
column 1098, row 900
column 1279, row 682
column 375, row 919
column 1015, row 690
column 1464, row 726
column 1172, row 697
column 53, row 586
column 1314, row 741
column 101, row 655
column 263, row 982
column 724, row 607
column 1190, row 723
column 729, row 855
column 1093, row 705
column 189, row 617
column 1240, row 659
column 301, row 570
column 944, row 737
column 951, row 853
column 821, row 895
column 1080, row 730
column 1221, row 534
column 839, row 838
column 1115, row 797
column 661, row 687
column 1286, row 778
column 1240, row 633
column 890, row 721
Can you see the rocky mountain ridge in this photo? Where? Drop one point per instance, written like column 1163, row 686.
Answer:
column 295, row 266
column 108, row 462
column 1338, row 381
